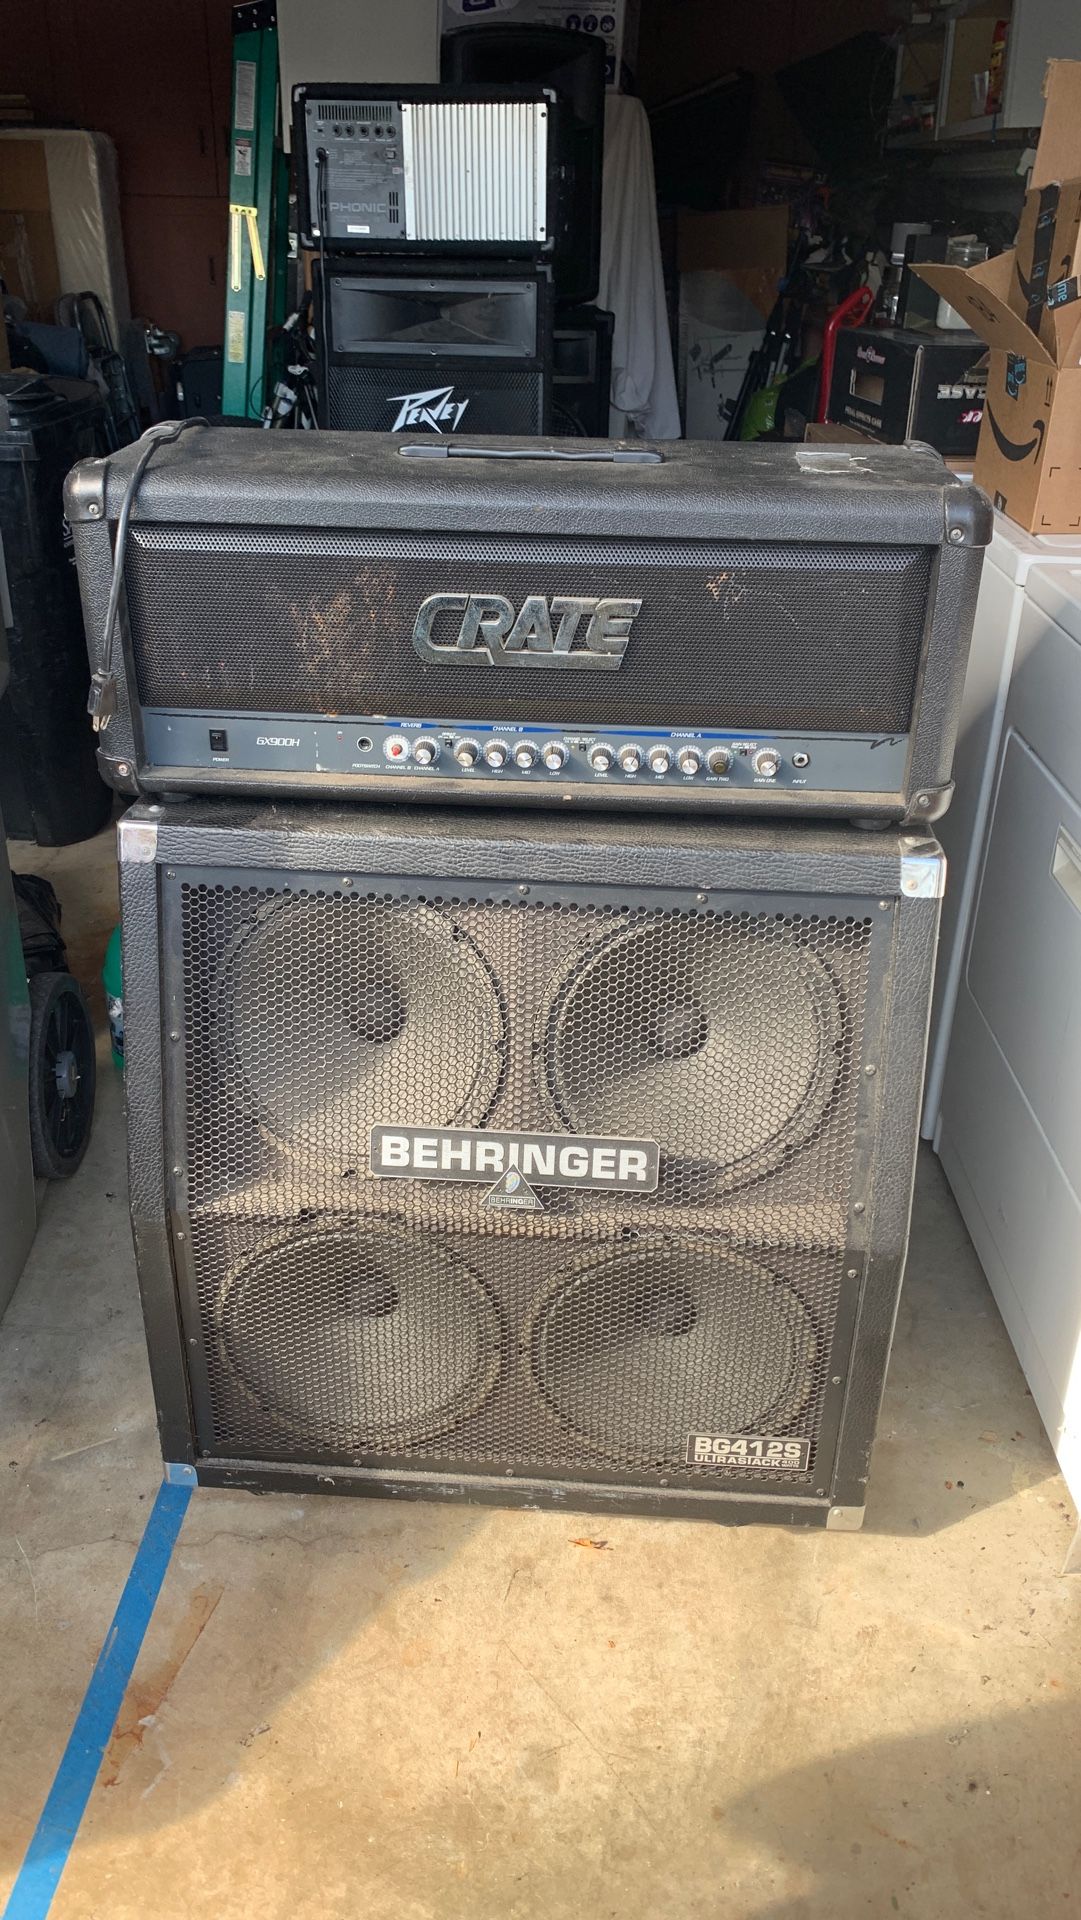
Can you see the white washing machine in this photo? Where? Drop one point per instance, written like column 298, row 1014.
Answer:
column 1008, row 562
column 1009, row 1132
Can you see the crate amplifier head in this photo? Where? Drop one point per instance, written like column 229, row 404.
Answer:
column 586, row 624
column 445, row 347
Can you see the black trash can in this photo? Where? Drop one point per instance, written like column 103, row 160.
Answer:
column 50, row 790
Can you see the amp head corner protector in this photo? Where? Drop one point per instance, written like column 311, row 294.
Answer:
column 137, row 842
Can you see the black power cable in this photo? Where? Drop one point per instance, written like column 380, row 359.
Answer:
column 101, row 704
column 323, row 203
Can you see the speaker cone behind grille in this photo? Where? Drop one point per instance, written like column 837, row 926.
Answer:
column 335, row 1013
column 349, row 1338
column 720, row 1038
column 638, row 1348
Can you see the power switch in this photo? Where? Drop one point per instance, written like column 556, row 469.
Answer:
column 219, row 740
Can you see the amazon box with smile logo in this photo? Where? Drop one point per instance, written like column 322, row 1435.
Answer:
column 1026, row 306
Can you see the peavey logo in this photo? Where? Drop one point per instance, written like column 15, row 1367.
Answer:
column 277, row 740
column 437, row 408
column 506, row 1163
column 565, row 631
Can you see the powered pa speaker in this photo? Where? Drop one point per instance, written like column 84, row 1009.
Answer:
column 474, row 1155
column 422, row 347
column 428, row 169
column 571, row 66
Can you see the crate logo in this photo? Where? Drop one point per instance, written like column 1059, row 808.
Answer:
column 436, row 409
column 489, row 630
column 599, row 1162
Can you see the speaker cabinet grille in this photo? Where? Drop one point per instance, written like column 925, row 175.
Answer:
column 244, row 619
column 338, row 1316
column 367, row 398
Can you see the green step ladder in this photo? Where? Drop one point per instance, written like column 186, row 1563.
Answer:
column 258, row 215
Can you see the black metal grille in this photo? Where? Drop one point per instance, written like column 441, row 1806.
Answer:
column 502, row 399
column 752, row 636
column 342, row 1317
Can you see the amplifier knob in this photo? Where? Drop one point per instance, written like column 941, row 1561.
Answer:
column 554, row 755
column 659, row 759
column 767, row 763
column 496, row 754
column 525, row 756
column 688, row 760
column 600, row 757
column 426, row 752
column 396, row 748
column 467, row 753
column 719, row 760
column 630, row 759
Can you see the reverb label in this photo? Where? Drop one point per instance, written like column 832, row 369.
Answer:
column 547, row 1159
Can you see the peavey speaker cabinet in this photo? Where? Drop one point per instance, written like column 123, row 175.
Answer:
column 523, row 1158
column 412, row 348
column 697, row 628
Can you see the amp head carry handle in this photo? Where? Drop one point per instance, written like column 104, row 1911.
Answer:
column 444, row 450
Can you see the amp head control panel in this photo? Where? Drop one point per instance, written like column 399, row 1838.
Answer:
column 509, row 757
column 356, row 172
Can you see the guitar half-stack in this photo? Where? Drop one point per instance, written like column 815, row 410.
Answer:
column 529, row 910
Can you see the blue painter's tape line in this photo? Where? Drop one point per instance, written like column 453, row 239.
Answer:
column 47, row 1855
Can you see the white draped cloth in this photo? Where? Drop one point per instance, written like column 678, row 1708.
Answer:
column 643, row 397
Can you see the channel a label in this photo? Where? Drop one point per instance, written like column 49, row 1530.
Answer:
column 754, row 1452
column 605, row 1163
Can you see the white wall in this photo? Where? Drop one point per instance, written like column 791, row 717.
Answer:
column 348, row 40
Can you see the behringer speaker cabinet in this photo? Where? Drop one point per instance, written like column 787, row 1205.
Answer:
column 523, row 1159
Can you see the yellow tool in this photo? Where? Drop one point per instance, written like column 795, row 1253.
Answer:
column 250, row 216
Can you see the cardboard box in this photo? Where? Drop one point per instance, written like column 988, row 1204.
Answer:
column 731, row 265
column 616, row 21
column 27, row 248
column 749, row 246
column 896, row 383
column 1026, row 305
column 720, row 327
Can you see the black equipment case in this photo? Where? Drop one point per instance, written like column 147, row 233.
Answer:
column 49, row 785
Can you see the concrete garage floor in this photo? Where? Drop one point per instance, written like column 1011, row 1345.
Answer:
column 348, row 1708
